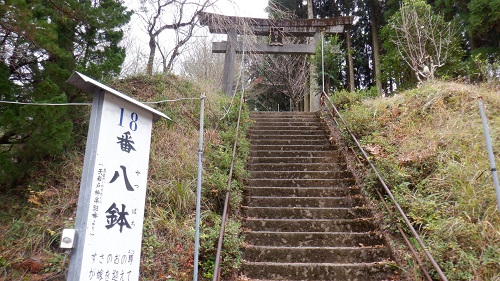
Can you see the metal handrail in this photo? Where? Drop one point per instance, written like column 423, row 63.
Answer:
column 334, row 113
column 225, row 214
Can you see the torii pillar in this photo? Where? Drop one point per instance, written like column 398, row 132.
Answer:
column 232, row 26
column 229, row 59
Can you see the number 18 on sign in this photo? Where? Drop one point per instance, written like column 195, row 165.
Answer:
column 112, row 195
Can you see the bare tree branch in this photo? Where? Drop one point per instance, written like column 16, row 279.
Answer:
column 424, row 40
column 181, row 16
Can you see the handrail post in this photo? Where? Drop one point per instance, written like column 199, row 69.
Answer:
column 489, row 146
column 391, row 196
column 198, row 191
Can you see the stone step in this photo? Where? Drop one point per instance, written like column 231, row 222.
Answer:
column 281, row 120
column 317, row 202
column 305, row 218
column 316, row 137
column 295, row 160
column 294, row 153
column 309, row 191
column 313, row 239
column 315, row 254
column 276, row 128
column 296, row 167
column 310, row 225
column 345, row 182
column 265, row 174
column 282, row 113
column 291, row 141
column 291, row 147
column 378, row 271
column 277, row 132
column 288, row 124
column 306, row 212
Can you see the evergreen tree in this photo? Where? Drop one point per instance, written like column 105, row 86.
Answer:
column 42, row 43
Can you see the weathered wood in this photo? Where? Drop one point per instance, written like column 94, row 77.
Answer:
column 229, row 60
column 243, row 25
column 298, row 27
column 350, row 61
column 292, row 49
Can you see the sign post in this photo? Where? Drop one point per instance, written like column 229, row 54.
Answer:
column 110, row 212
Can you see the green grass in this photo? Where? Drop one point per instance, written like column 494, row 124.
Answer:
column 429, row 146
column 33, row 215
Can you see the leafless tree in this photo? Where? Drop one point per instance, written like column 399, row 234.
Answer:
column 423, row 39
column 283, row 74
column 280, row 74
column 180, row 16
column 200, row 64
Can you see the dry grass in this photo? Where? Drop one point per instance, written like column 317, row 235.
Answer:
column 32, row 217
column 429, row 145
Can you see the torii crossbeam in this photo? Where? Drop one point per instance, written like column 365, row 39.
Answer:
column 275, row 29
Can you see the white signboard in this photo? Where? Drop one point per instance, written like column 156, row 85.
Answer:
column 112, row 195
column 114, row 222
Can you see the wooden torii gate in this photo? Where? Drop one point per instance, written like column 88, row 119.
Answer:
column 276, row 30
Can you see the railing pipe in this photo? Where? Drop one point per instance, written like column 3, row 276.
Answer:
column 489, row 146
column 198, row 191
column 225, row 214
column 391, row 214
column 391, row 196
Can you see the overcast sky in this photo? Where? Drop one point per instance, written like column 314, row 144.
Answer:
column 136, row 36
column 244, row 8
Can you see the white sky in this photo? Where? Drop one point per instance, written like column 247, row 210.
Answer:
column 243, row 8
column 136, row 36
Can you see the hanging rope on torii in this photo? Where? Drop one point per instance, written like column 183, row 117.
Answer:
column 276, row 30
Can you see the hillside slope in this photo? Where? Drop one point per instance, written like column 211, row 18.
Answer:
column 33, row 215
column 429, row 146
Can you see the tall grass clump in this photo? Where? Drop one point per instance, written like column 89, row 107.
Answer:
column 31, row 221
column 429, row 146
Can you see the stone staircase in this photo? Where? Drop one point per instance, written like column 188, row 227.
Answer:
column 305, row 217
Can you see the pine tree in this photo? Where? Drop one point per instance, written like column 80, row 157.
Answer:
column 42, row 43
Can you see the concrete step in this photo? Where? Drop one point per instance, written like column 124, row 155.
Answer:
column 282, row 113
column 309, row 191
column 281, row 120
column 294, row 153
column 297, row 166
column 305, row 218
column 296, row 160
column 291, row 147
column 310, row 225
column 345, row 182
column 286, row 117
column 301, row 137
column 317, row 202
column 306, row 212
column 378, row 271
column 315, row 254
column 274, row 128
column 301, row 174
column 313, row 239
column 291, row 141
column 313, row 123
column 277, row 132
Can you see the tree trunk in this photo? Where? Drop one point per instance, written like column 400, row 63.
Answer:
column 151, row 59
column 350, row 61
column 375, row 46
